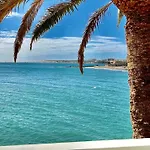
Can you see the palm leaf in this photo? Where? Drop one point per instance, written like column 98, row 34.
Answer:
column 6, row 7
column 92, row 24
column 120, row 16
column 53, row 16
column 26, row 25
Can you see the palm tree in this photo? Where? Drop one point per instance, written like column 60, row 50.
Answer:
column 137, row 13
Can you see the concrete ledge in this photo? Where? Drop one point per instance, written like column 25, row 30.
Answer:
column 133, row 144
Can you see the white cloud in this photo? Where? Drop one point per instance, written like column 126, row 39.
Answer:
column 60, row 48
column 15, row 14
column 8, row 34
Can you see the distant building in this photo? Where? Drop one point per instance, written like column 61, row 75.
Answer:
column 114, row 62
column 111, row 61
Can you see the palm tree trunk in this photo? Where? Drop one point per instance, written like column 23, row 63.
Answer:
column 138, row 57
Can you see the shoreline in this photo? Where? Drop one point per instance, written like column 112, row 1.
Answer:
column 114, row 68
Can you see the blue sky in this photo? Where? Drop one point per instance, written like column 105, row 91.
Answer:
column 62, row 42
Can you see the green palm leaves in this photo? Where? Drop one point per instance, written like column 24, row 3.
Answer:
column 120, row 16
column 25, row 25
column 93, row 23
column 6, row 7
column 53, row 15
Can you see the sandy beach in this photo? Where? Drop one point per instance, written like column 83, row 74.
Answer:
column 120, row 68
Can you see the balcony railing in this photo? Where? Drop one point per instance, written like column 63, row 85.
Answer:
column 138, row 144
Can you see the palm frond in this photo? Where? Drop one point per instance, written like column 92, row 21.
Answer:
column 92, row 24
column 53, row 16
column 120, row 16
column 6, row 7
column 26, row 25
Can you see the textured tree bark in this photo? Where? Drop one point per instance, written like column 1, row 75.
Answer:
column 138, row 57
column 135, row 6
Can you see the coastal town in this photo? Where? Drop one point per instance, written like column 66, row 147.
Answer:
column 109, row 64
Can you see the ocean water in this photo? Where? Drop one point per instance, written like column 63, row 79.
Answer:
column 47, row 103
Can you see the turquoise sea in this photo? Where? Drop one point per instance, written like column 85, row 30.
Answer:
column 47, row 103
